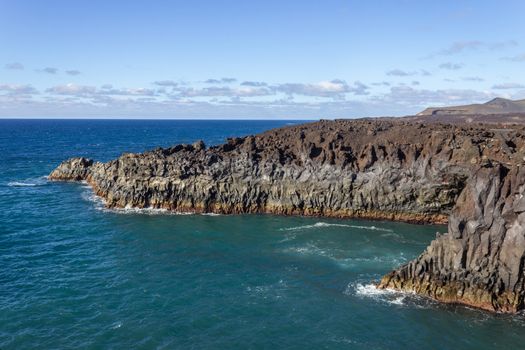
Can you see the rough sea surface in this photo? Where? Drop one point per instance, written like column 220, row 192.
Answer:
column 75, row 275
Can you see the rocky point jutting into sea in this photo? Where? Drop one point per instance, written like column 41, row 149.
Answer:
column 470, row 176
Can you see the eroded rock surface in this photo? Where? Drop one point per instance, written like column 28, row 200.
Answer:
column 376, row 169
column 480, row 261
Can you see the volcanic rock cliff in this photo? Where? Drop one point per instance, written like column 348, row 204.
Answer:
column 375, row 169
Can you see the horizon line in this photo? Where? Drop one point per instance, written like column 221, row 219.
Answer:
column 166, row 118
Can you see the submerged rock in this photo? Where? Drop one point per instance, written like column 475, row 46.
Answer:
column 374, row 169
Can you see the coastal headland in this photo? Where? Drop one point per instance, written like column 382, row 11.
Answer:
column 469, row 175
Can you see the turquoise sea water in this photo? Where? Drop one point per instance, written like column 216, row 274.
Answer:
column 75, row 275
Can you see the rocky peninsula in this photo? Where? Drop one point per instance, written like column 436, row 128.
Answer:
column 470, row 176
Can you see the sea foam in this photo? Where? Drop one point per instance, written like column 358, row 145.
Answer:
column 326, row 224
column 100, row 204
column 389, row 296
column 32, row 182
column 340, row 257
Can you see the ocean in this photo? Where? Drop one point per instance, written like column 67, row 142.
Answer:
column 74, row 275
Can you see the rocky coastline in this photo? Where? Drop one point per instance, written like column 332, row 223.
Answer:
column 470, row 176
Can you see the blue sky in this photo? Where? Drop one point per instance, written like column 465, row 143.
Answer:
column 256, row 59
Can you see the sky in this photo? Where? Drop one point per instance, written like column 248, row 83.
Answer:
column 256, row 59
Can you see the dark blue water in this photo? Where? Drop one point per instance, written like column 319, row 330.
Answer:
column 74, row 275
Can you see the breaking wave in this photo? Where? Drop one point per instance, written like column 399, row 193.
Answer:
column 100, row 204
column 89, row 196
column 32, row 182
column 326, row 224
column 369, row 290
column 388, row 296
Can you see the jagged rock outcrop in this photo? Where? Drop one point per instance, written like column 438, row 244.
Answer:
column 480, row 262
column 375, row 169
column 75, row 169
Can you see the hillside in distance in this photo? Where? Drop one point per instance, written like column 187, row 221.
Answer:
column 495, row 106
column 495, row 111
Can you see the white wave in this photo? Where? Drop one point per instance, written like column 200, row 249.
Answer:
column 326, row 224
column 33, row 182
column 145, row 211
column 339, row 258
column 387, row 260
column 316, row 225
column 288, row 237
column 116, row 325
column 211, row 214
column 274, row 291
column 370, row 290
column 398, row 301
column 389, row 296
column 100, row 204
column 373, row 228
column 390, row 234
column 309, row 249
column 89, row 196
column 20, row 184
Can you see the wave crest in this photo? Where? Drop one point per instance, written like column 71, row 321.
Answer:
column 326, row 224
column 31, row 182
column 389, row 296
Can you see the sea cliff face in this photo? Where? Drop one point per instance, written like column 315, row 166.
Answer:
column 467, row 175
column 480, row 261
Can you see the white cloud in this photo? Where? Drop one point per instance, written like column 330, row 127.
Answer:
column 461, row 46
column 49, row 70
column 327, row 98
column 400, row 73
column 91, row 91
column 128, row 92
column 221, row 81
column 16, row 89
column 472, row 45
column 333, row 88
column 73, row 90
column 410, row 97
column 517, row 58
column 472, row 79
column 254, row 83
column 507, row 86
column 166, row 83
column 243, row 91
column 451, row 66
column 14, row 66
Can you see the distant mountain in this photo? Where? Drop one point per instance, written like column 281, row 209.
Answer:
column 496, row 106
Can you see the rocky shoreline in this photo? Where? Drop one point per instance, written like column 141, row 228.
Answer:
column 469, row 175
